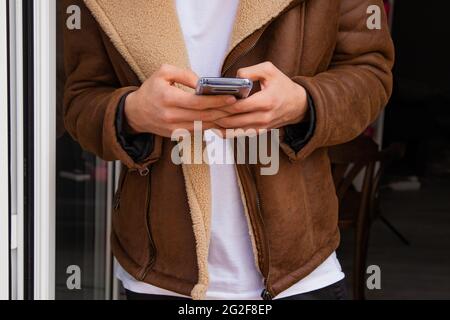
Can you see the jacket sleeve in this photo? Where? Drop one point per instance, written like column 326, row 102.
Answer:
column 137, row 146
column 350, row 95
column 298, row 135
column 92, row 93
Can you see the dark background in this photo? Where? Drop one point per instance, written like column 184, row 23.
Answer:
column 419, row 112
column 418, row 116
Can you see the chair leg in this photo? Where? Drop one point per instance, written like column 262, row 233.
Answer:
column 362, row 236
column 359, row 274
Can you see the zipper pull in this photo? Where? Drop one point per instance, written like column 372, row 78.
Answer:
column 144, row 172
column 266, row 295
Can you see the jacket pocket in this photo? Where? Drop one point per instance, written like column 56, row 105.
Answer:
column 131, row 219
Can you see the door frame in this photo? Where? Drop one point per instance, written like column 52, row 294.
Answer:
column 31, row 85
column 4, row 158
column 44, row 154
column 28, row 153
column 44, row 14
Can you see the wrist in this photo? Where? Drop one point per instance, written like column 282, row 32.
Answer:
column 130, row 112
column 301, row 109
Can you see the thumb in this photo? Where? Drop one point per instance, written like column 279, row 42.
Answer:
column 181, row 76
column 259, row 72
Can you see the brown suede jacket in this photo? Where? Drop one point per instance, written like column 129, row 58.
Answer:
column 162, row 210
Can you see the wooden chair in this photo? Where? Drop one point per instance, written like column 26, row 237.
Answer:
column 357, row 207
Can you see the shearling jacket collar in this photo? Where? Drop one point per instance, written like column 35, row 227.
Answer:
column 134, row 26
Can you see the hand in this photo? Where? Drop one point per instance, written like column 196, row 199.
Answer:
column 161, row 108
column 280, row 102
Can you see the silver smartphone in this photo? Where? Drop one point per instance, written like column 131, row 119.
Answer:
column 240, row 88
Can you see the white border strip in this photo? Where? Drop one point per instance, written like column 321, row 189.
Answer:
column 4, row 161
column 45, row 147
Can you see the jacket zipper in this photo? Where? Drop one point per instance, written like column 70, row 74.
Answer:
column 152, row 253
column 257, row 225
column 264, row 263
column 266, row 294
column 260, row 32
column 247, row 50
column 117, row 197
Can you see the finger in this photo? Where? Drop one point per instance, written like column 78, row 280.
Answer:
column 257, row 120
column 190, row 126
column 181, row 115
column 174, row 74
column 259, row 72
column 258, row 102
column 180, row 98
column 207, row 102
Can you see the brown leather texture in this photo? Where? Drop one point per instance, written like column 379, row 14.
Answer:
column 324, row 46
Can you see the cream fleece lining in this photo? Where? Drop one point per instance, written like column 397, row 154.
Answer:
column 252, row 15
column 148, row 34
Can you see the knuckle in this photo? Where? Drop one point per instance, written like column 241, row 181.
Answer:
column 171, row 118
column 265, row 119
column 268, row 119
column 267, row 106
column 237, row 108
column 268, row 67
column 241, row 73
column 168, row 117
column 165, row 98
column 225, row 101
column 272, row 102
column 165, row 69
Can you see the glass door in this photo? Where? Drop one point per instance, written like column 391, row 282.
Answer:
column 84, row 186
column 62, row 193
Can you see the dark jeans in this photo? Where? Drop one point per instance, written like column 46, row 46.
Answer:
column 337, row 291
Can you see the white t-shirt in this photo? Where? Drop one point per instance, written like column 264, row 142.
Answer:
column 207, row 28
